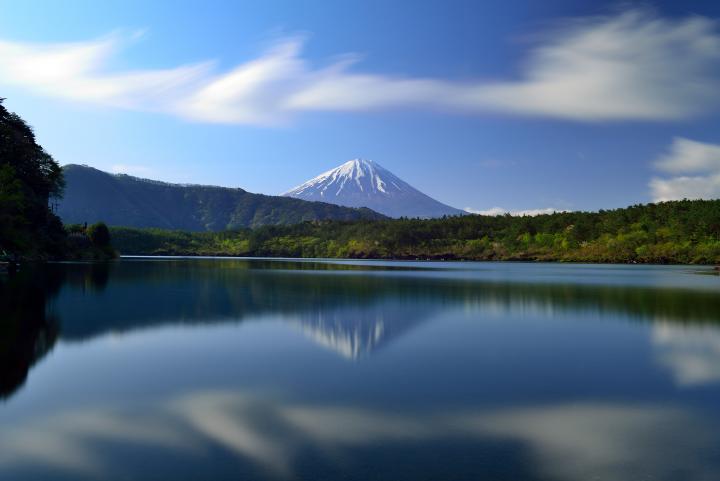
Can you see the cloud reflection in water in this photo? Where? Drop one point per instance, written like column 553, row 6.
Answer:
column 566, row 441
column 691, row 354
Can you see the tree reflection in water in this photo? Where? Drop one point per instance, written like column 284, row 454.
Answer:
column 28, row 329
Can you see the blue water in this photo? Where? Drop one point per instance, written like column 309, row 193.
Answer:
column 199, row 369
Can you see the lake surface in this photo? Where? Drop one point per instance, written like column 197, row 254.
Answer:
column 214, row 369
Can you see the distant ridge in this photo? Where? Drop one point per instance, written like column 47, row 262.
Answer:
column 365, row 183
column 92, row 195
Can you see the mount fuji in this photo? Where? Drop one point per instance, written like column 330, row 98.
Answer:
column 364, row 183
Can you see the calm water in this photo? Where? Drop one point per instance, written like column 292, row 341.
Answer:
column 219, row 369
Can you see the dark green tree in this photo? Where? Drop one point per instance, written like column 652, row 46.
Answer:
column 99, row 234
column 29, row 178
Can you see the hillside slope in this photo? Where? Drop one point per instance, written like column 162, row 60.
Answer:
column 92, row 195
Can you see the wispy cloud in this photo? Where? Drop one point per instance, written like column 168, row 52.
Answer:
column 75, row 71
column 633, row 65
column 519, row 213
column 698, row 166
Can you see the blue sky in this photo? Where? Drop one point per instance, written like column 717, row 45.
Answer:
column 518, row 105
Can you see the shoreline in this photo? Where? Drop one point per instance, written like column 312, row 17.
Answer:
column 406, row 259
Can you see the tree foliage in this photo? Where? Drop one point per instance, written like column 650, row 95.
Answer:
column 29, row 177
column 99, row 234
column 669, row 232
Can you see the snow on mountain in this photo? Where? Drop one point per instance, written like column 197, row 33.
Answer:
column 364, row 183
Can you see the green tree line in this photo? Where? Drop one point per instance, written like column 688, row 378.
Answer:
column 684, row 232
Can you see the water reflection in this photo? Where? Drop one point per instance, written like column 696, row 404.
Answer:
column 155, row 293
column 344, row 307
column 561, row 442
column 692, row 355
column 211, row 369
column 27, row 331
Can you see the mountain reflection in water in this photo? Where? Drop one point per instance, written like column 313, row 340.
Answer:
column 341, row 306
column 301, row 370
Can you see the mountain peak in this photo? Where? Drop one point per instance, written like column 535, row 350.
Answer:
column 365, row 183
column 360, row 163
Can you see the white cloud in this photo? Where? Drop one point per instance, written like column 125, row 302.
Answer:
column 699, row 164
column 519, row 213
column 687, row 156
column 633, row 65
column 74, row 71
column 490, row 211
column 678, row 188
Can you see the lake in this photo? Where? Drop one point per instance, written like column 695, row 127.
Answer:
column 214, row 369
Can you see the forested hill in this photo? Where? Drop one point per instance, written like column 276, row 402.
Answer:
column 669, row 232
column 121, row 200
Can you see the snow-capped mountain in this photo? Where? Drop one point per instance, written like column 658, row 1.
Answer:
column 364, row 183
